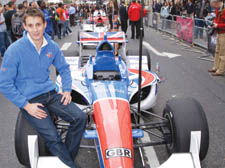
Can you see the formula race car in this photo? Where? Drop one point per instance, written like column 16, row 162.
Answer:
column 106, row 88
column 98, row 13
column 99, row 27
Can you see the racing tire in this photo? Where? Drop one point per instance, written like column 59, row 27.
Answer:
column 186, row 115
column 145, row 52
column 22, row 130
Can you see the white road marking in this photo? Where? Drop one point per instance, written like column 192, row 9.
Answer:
column 148, row 46
column 170, row 55
column 65, row 46
column 163, row 54
column 150, row 153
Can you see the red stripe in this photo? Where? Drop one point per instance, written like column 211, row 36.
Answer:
column 112, row 118
column 149, row 77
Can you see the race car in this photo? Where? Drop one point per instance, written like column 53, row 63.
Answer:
column 106, row 88
column 98, row 26
column 98, row 13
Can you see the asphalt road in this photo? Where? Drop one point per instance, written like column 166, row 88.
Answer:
column 183, row 76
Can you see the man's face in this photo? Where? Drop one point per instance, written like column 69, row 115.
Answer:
column 35, row 27
column 216, row 5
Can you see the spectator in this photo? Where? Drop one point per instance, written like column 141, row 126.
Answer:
column 173, row 11
column 17, row 22
column 72, row 12
column 110, row 13
column 61, row 22
column 34, row 4
column 178, row 7
column 134, row 14
column 48, row 20
column 154, row 6
column 67, row 20
column 4, row 38
column 144, row 14
column 123, row 16
column 219, row 25
column 158, row 6
column 189, row 8
column 54, row 18
column 164, row 13
column 25, row 4
column 8, row 20
column 200, row 12
column 116, row 25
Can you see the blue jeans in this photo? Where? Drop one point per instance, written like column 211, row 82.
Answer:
column 71, row 113
column 199, row 25
column 4, row 42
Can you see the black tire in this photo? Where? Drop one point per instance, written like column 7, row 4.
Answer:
column 22, row 130
column 186, row 115
column 145, row 52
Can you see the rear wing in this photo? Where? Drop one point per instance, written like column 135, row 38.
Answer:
column 97, row 37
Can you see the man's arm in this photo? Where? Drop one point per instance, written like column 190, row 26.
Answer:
column 8, row 74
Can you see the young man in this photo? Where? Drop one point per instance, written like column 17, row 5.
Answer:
column 219, row 60
column 24, row 80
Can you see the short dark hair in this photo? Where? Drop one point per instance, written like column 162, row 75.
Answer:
column 34, row 12
column 60, row 4
column 10, row 4
column 20, row 6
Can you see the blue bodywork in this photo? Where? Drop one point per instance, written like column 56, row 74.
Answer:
column 106, row 64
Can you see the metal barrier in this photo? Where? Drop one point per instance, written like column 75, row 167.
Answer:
column 171, row 25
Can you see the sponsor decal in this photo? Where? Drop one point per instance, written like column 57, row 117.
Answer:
column 118, row 152
column 49, row 55
column 3, row 69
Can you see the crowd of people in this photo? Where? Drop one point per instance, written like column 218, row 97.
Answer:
column 197, row 9
column 59, row 17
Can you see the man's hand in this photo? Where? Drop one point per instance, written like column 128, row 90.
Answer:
column 66, row 97
column 215, row 25
column 34, row 110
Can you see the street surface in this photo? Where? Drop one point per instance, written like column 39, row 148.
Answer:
column 183, row 74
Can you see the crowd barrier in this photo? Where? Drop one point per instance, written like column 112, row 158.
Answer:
column 192, row 30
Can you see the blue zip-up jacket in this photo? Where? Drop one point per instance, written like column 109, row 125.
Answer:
column 24, row 73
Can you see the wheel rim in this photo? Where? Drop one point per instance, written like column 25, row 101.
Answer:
column 171, row 145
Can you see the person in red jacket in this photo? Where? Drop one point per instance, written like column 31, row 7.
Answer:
column 219, row 60
column 134, row 14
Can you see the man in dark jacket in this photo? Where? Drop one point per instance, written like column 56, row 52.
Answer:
column 8, row 20
column 123, row 16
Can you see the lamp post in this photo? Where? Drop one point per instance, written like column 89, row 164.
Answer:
column 140, row 61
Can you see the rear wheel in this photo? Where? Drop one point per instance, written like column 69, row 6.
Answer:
column 145, row 52
column 22, row 130
column 186, row 115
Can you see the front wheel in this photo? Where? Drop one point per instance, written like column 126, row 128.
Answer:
column 186, row 115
